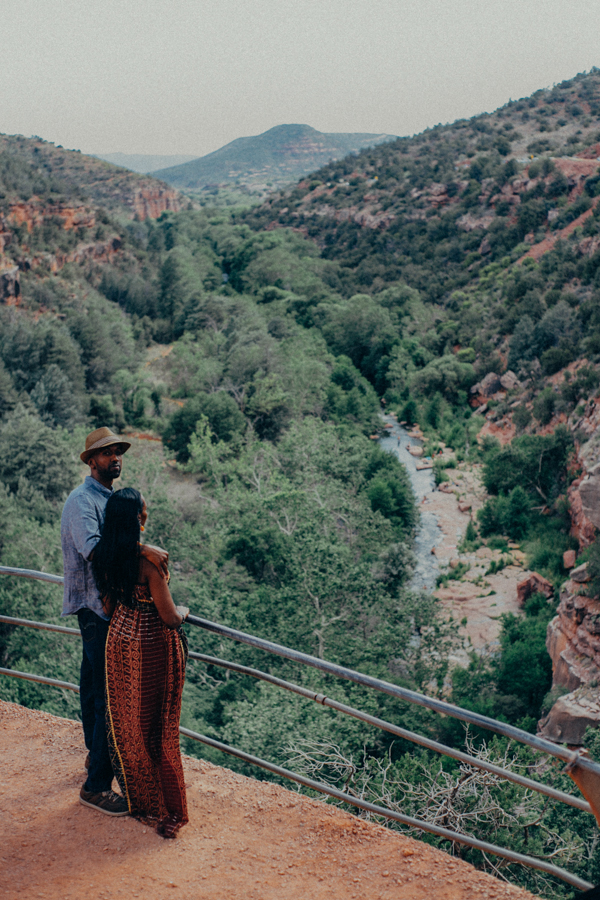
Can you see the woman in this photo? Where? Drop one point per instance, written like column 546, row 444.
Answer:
column 146, row 653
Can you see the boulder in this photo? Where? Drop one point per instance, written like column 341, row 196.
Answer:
column 533, row 584
column 580, row 574
column 509, row 381
column 569, row 559
column 488, row 385
column 464, row 506
column 571, row 715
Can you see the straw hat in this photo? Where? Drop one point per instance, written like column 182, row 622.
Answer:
column 101, row 437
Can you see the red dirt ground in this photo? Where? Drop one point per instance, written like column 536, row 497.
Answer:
column 247, row 839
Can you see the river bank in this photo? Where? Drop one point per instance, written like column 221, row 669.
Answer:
column 478, row 598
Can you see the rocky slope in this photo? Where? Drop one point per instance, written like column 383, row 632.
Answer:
column 38, row 164
column 52, row 196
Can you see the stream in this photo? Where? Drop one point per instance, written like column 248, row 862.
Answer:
column 422, row 481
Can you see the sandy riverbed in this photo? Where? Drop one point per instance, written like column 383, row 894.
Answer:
column 479, row 598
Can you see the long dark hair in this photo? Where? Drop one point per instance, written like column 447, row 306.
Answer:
column 116, row 559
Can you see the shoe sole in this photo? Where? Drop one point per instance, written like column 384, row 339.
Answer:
column 107, row 812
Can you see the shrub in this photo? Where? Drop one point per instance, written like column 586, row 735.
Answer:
column 521, row 417
column 508, row 515
column 409, row 413
column 33, row 454
column 543, row 406
column 522, row 346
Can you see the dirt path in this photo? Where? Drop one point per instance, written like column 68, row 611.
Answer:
column 247, row 839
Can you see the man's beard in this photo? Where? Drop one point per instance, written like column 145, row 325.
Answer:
column 114, row 471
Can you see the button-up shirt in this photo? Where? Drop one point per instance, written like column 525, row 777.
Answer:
column 80, row 527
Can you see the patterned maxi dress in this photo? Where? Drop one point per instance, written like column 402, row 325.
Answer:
column 145, row 670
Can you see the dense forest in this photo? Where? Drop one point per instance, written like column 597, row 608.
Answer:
column 256, row 344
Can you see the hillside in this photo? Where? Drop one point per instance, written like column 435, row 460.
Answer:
column 279, row 156
column 32, row 167
column 432, row 210
column 59, row 207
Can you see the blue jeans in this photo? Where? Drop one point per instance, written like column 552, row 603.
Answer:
column 94, row 632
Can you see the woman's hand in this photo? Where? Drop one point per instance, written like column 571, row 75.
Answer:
column 157, row 556
column 184, row 612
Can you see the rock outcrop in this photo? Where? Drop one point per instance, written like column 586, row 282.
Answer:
column 582, row 528
column 10, row 286
column 533, row 584
column 589, row 492
column 488, row 386
column 33, row 212
column 573, row 642
column 569, row 717
column 152, row 202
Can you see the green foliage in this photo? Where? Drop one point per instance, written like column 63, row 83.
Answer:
column 593, row 568
column 453, row 574
column 506, row 514
column 286, row 323
column 446, row 375
column 439, row 472
column 521, row 417
column 389, row 491
column 543, row 406
column 220, row 411
column 34, row 457
column 534, row 462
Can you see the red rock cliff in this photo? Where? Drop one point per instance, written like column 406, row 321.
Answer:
column 573, row 642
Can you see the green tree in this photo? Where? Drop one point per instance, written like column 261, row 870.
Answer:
column 221, row 412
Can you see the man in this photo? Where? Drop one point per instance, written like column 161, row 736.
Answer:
column 81, row 524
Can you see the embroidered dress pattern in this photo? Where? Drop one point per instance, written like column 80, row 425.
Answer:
column 145, row 671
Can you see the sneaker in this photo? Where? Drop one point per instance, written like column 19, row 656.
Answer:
column 106, row 802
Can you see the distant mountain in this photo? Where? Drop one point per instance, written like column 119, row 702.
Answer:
column 143, row 162
column 280, row 155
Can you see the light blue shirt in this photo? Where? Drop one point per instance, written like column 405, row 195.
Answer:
column 80, row 527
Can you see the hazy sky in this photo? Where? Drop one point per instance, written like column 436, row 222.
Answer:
column 187, row 76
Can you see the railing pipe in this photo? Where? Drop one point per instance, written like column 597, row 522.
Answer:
column 43, row 626
column 394, row 690
column 41, row 679
column 31, row 573
column 429, row 744
column 382, row 811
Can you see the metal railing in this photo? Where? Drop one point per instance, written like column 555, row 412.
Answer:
column 377, row 684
